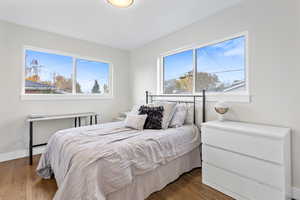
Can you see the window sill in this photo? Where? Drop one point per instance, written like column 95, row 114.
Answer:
column 239, row 98
column 47, row 97
column 213, row 97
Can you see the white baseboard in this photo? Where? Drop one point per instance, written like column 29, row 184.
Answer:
column 19, row 154
column 296, row 193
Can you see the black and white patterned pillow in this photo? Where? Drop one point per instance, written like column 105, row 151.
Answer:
column 154, row 116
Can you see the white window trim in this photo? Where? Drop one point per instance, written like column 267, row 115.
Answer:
column 211, row 96
column 74, row 95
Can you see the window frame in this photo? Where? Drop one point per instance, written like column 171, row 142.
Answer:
column 236, row 96
column 73, row 95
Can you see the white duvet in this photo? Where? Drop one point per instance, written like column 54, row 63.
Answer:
column 91, row 162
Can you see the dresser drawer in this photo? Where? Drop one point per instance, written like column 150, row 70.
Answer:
column 264, row 172
column 265, row 148
column 238, row 187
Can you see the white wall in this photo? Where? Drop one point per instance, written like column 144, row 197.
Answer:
column 13, row 129
column 273, row 27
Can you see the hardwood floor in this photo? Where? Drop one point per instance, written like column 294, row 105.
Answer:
column 18, row 181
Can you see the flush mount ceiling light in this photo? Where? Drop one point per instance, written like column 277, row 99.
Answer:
column 121, row 3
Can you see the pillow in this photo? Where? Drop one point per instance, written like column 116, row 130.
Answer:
column 169, row 109
column 154, row 116
column 136, row 107
column 179, row 116
column 135, row 121
column 190, row 115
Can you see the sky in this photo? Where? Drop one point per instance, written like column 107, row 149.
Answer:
column 87, row 71
column 224, row 56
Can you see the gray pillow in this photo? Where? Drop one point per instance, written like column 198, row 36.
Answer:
column 169, row 109
column 190, row 115
column 179, row 116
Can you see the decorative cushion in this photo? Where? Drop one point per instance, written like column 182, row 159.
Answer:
column 179, row 116
column 169, row 109
column 135, row 121
column 136, row 107
column 155, row 116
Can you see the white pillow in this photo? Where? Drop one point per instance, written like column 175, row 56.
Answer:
column 179, row 116
column 135, row 109
column 135, row 121
column 190, row 115
column 169, row 109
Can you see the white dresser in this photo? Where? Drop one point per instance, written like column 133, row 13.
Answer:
column 247, row 161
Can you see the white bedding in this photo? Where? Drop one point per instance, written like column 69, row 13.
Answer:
column 94, row 161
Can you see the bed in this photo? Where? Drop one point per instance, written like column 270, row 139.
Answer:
column 112, row 162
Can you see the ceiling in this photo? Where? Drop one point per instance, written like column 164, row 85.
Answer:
column 98, row 21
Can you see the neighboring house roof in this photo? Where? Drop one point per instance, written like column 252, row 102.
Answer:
column 235, row 86
column 31, row 85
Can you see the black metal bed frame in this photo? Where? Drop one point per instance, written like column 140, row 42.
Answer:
column 194, row 97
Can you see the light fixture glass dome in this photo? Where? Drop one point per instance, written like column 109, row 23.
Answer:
column 121, row 3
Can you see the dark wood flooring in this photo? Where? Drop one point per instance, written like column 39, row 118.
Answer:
column 18, row 181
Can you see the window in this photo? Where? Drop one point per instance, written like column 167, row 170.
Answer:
column 92, row 77
column 218, row 67
column 221, row 67
column 178, row 73
column 49, row 74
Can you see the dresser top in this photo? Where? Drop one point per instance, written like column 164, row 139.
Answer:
column 250, row 128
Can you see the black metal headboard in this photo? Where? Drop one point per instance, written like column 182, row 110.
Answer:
column 194, row 97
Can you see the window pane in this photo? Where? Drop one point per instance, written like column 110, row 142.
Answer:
column 47, row 73
column 178, row 73
column 92, row 77
column 221, row 67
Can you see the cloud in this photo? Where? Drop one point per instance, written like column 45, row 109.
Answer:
column 238, row 51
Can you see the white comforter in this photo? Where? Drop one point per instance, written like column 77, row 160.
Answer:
column 93, row 161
